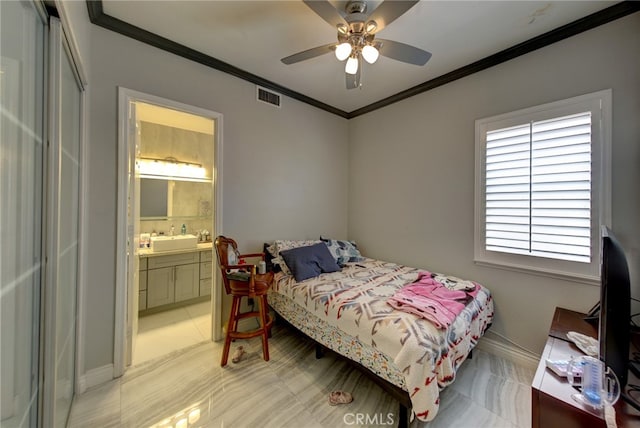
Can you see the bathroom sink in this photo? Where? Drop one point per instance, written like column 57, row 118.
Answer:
column 172, row 243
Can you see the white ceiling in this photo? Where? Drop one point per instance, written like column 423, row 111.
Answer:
column 255, row 35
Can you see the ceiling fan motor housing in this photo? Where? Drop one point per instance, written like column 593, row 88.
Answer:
column 356, row 7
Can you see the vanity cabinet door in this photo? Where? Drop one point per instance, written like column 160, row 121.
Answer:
column 187, row 279
column 160, row 287
column 205, row 270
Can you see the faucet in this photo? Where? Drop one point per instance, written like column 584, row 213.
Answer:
column 171, row 231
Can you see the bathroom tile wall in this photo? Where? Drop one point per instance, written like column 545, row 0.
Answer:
column 160, row 142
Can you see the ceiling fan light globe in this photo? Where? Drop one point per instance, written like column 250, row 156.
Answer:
column 370, row 54
column 343, row 50
column 352, row 65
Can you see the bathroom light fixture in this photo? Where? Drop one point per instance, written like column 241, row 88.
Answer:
column 169, row 168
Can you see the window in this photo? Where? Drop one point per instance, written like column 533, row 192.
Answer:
column 542, row 187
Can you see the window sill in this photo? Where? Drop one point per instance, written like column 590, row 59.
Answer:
column 582, row 279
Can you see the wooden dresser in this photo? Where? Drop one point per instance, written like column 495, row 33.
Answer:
column 551, row 402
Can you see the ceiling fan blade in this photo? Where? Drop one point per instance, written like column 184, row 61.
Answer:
column 402, row 52
column 353, row 80
column 388, row 12
column 309, row 53
column 326, row 11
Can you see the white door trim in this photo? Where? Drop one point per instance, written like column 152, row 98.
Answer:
column 126, row 96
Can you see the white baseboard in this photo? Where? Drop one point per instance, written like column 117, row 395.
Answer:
column 508, row 352
column 95, row 377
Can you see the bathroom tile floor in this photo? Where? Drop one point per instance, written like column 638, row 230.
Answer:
column 166, row 332
column 188, row 388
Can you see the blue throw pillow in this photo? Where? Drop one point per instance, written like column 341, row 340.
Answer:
column 310, row 261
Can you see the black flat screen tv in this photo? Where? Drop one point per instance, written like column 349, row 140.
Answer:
column 615, row 306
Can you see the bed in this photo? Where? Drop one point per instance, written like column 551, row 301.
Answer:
column 347, row 311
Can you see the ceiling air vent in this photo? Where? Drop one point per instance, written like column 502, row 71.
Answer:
column 268, row 97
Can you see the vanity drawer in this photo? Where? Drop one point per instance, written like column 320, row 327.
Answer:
column 205, row 270
column 205, row 287
column 143, row 263
column 206, row 256
column 173, row 260
column 142, row 281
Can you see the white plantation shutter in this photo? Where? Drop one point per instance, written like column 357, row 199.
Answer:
column 508, row 189
column 561, row 188
column 538, row 188
column 543, row 187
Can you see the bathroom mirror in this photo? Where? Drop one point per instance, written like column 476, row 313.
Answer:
column 164, row 199
column 154, row 198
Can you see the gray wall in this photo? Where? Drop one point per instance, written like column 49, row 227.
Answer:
column 411, row 170
column 284, row 174
column 399, row 180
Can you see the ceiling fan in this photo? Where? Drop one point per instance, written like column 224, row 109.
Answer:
column 356, row 36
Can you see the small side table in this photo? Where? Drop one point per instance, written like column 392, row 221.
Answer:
column 551, row 402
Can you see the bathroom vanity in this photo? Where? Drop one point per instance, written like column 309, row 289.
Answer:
column 169, row 279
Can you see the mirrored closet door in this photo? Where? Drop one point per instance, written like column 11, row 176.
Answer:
column 22, row 29
column 40, row 200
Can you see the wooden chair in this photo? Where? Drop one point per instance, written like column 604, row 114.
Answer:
column 241, row 280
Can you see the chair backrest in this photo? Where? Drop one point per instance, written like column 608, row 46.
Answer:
column 223, row 246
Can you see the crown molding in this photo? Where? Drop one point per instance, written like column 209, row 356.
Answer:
column 98, row 17
column 617, row 11
column 589, row 22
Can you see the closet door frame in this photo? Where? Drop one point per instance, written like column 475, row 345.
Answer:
column 59, row 50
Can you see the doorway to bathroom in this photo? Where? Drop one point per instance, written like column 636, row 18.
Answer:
column 169, row 211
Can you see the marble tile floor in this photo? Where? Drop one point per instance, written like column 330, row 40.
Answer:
column 188, row 388
column 165, row 332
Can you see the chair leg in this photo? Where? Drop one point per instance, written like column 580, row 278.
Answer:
column 231, row 327
column 264, row 308
column 236, row 312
